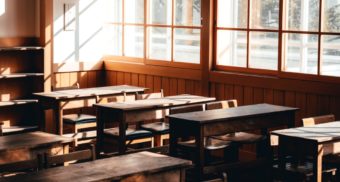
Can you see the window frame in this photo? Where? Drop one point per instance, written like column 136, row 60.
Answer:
column 145, row 60
column 280, row 73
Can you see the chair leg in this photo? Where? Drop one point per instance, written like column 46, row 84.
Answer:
column 158, row 140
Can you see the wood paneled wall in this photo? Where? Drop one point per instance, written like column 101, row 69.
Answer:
column 85, row 79
column 170, row 86
column 310, row 104
column 312, row 97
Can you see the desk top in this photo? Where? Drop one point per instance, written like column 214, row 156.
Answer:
column 31, row 140
column 320, row 133
column 153, row 103
column 109, row 169
column 90, row 92
column 216, row 115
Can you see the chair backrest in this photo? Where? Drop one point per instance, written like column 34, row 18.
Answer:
column 22, row 165
column 188, row 108
column 75, row 86
column 224, row 104
column 88, row 154
column 150, row 95
column 318, row 120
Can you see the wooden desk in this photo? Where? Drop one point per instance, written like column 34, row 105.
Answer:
column 56, row 100
column 143, row 167
column 315, row 141
column 139, row 110
column 222, row 121
column 25, row 146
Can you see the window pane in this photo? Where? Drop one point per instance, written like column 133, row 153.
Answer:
column 113, row 40
column 232, row 13
column 134, row 41
column 331, row 16
column 263, row 50
column 159, row 43
column 160, row 12
column 134, row 11
column 303, row 15
column 232, row 48
column 188, row 12
column 187, row 45
column 265, row 14
column 302, row 53
column 113, row 11
column 330, row 55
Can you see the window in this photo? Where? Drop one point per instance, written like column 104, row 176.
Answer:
column 248, row 39
column 250, row 35
column 169, row 31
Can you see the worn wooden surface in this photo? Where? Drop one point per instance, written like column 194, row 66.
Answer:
column 31, row 140
column 211, row 116
column 320, row 133
column 170, row 101
column 139, row 110
column 138, row 166
column 89, row 92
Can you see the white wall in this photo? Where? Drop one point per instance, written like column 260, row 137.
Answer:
column 81, row 46
column 18, row 18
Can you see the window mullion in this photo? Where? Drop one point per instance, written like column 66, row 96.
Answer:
column 248, row 33
column 320, row 37
column 172, row 29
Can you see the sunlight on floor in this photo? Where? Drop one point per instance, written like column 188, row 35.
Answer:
column 2, row 7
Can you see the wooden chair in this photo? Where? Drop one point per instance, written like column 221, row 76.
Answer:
column 239, row 138
column 57, row 160
column 9, row 169
column 318, row 120
column 150, row 95
column 78, row 121
column 160, row 129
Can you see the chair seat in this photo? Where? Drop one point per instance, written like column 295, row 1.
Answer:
column 157, row 127
column 241, row 137
column 82, row 135
column 18, row 129
column 79, row 118
column 131, row 134
column 209, row 144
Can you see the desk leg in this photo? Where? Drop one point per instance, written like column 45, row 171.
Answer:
column 42, row 117
column 58, row 118
column 100, row 132
column 122, row 137
column 66, row 150
column 199, row 139
column 281, row 154
column 173, row 141
column 317, row 163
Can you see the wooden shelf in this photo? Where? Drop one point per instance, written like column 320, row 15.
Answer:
column 17, row 102
column 21, row 48
column 20, row 75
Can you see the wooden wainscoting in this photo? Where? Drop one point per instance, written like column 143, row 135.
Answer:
column 313, row 98
column 86, row 79
column 170, row 86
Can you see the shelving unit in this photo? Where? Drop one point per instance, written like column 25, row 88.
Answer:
column 21, row 74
